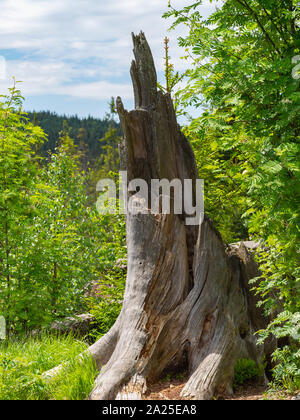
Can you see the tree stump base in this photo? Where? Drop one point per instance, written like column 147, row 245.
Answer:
column 187, row 298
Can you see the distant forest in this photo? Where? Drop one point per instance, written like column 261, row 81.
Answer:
column 86, row 132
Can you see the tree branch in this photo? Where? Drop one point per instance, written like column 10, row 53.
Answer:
column 270, row 40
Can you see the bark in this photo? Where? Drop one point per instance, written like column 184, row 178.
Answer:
column 187, row 301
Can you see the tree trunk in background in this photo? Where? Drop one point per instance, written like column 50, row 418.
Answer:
column 187, row 301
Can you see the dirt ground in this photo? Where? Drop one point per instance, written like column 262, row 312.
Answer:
column 171, row 389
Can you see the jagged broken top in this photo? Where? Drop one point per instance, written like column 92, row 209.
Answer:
column 143, row 73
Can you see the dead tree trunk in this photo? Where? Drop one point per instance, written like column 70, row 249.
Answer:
column 187, row 299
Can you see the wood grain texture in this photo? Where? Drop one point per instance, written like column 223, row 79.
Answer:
column 187, row 299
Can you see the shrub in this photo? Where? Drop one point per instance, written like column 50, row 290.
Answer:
column 286, row 373
column 106, row 305
column 246, row 369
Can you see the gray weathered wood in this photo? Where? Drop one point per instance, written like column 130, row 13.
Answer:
column 187, row 299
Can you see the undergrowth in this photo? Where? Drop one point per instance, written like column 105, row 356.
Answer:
column 22, row 363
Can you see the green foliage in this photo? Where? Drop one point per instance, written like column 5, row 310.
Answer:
column 286, row 324
column 244, row 370
column 106, row 303
column 19, row 174
column 246, row 139
column 172, row 78
column 108, row 163
column 54, row 249
column 106, row 297
column 286, row 373
column 75, row 381
column 19, row 381
column 109, row 160
column 23, row 362
column 224, row 174
column 66, row 232
column 54, row 242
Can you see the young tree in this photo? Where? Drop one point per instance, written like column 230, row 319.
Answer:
column 172, row 78
column 19, row 169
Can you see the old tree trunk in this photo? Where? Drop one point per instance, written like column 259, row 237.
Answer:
column 187, row 300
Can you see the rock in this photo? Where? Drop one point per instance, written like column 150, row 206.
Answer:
column 79, row 324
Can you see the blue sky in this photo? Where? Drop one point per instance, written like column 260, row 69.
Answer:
column 73, row 55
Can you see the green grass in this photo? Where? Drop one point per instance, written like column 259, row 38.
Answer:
column 23, row 362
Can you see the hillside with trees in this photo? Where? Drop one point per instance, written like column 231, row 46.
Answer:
column 86, row 132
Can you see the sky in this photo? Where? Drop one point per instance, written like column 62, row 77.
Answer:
column 72, row 56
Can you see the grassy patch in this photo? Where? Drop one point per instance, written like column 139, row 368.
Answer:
column 22, row 363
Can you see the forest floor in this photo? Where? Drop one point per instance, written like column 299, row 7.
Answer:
column 171, row 389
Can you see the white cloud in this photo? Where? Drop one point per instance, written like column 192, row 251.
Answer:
column 99, row 90
column 81, row 47
column 57, row 78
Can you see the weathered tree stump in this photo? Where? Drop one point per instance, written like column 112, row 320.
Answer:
column 187, row 299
